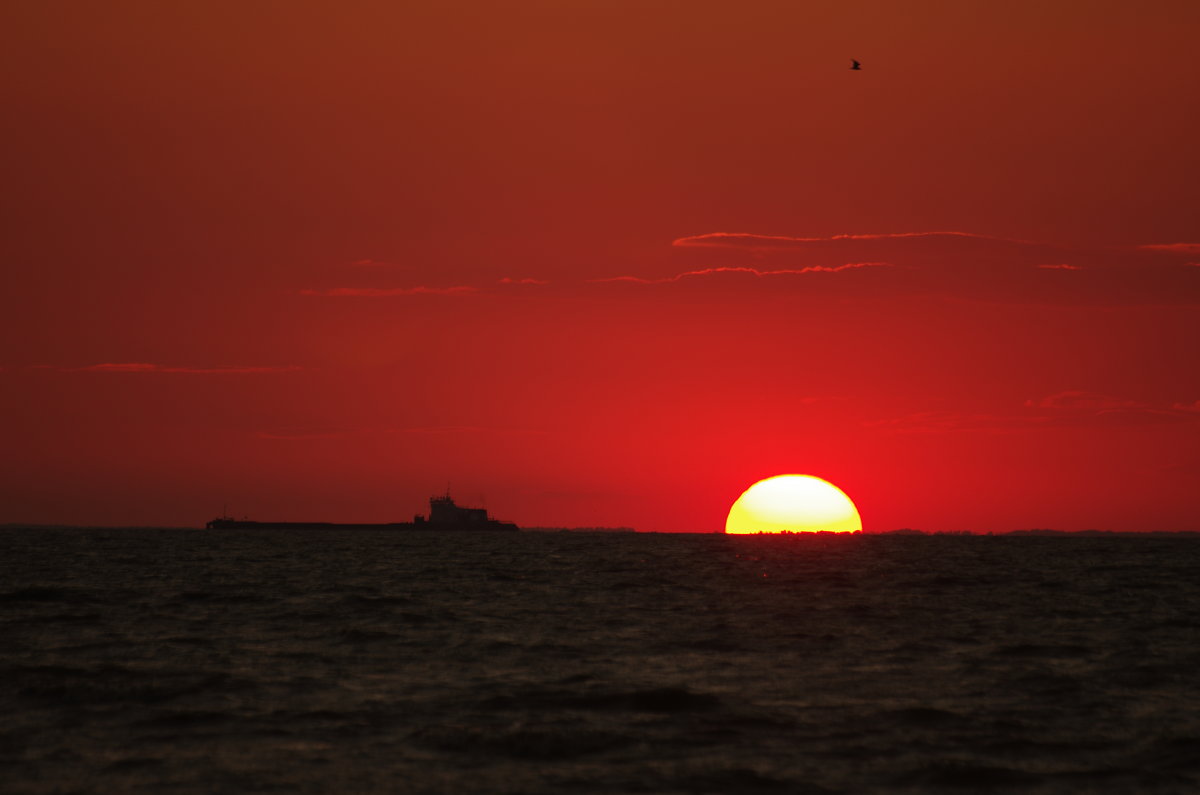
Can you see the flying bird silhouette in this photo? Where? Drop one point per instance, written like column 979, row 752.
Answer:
column 855, row 66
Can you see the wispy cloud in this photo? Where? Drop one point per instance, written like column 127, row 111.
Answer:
column 146, row 367
column 956, row 264
column 745, row 271
column 974, row 266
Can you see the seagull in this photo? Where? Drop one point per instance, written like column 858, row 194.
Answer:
column 855, row 66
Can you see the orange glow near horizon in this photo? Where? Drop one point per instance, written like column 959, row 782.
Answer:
column 793, row 503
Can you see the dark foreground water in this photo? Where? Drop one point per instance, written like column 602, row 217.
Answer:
column 206, row 661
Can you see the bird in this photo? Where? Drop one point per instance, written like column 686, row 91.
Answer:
column 855, row 66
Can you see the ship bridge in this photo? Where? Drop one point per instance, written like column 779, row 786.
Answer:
column 442, row 510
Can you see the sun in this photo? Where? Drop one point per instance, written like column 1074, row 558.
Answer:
column 793, row 503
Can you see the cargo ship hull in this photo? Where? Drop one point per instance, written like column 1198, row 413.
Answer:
column 444, row 516
column 246, row 524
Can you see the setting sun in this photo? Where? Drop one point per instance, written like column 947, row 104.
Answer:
column 793, row 503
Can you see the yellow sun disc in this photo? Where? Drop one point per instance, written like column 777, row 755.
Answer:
column 793, row 503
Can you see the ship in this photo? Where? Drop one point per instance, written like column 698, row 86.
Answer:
column 444, row 516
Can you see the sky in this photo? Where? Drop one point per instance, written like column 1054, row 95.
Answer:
column 600, row 262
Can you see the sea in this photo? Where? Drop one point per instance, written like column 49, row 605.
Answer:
column 203, row 661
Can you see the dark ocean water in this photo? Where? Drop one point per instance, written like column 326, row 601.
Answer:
column 208, row 661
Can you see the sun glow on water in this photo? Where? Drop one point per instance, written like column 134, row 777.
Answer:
column 793, row 503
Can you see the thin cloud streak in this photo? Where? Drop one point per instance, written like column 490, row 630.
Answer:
column 979, row 266
column 744, row 270
column 951, row 263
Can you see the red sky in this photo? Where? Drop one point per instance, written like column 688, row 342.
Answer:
column 601, row 263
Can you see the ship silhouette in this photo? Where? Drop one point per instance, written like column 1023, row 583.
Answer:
column 444, row 516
